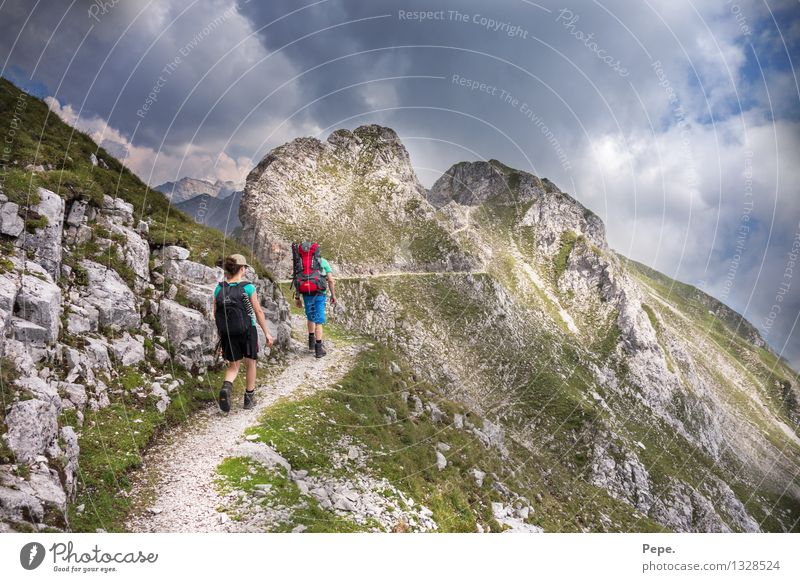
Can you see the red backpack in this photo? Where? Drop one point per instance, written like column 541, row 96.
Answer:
column 308, row 277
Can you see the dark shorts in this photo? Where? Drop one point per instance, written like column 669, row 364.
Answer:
column 236, row 347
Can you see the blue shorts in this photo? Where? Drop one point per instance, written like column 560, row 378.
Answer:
column 315, row 307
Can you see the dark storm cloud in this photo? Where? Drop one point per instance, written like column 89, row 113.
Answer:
column 666, row 118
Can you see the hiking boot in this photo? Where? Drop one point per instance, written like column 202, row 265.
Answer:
column 249, row 399
column 311, row 342
column 319, row 351
column 225, row 397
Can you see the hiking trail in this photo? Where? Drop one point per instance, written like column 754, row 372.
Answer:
column 181, row 470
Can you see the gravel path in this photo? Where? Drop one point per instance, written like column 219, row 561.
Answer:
column 181, row 469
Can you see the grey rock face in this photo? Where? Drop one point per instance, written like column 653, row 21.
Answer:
column 473, row 183
column 178, row 268
column 32, row 428
column 71, row 453
column 39, row 302
column 128, row 350
column 107, row 292
column 684, row 509
column 174, row 253
column 42, row 390
column 136, row 253
column 82, row 318
column 557, row 213
column 77, row 213
column 622, row 474
column 11, row 222
column 96, row 351
column 45, row 243
column 40, row 499
column 187, row 188
column 9, row 287
column 29, row 334
column 182, row 324
column 358, row 187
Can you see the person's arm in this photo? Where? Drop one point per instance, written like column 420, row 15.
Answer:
column 262, row 321
column 218, row 349
column 331, row 286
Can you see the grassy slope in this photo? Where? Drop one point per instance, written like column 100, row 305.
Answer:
column 403, row 452
column 546, row 376
column 760, row 365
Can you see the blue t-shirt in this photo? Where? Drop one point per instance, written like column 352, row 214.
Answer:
column 249, row 289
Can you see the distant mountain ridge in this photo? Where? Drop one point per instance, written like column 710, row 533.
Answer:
column 219, row 213
column 187, row 188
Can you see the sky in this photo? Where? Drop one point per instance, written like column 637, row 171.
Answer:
column 676, row 121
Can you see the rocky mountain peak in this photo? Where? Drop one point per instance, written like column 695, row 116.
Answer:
column 543, row 204
column 356, row 193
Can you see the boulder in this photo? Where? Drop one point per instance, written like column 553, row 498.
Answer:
column 28, row 333
column 185, row 271
column 113, row 299
column 39, row 301
column 200, row 297
column 9, row 287
column 136, row 253
column 181, row 324
column 11, row 222
column 74, row 393
column 161, row 354
column 17, row 500
column 100, row 399
column 42, row 390
column 173, row 253
column 82, row 319
column 18, row 353
column 157, row 390
column 18, row 497
column 76, row 213
column 45, row 242
column 117, row 210
column 71, row 452
column 96, row 351
column 32, row 428
column 45, row 485
column 128, row 350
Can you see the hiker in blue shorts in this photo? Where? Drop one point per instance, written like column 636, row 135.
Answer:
column 312, row 278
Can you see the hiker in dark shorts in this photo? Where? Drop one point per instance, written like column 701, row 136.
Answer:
column 237, row 311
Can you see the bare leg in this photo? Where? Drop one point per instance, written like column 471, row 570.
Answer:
column 317, row 331
column 251, row 373
column 232, row 371
column 310, row 327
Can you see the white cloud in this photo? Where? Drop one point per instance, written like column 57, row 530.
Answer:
column 159, row 167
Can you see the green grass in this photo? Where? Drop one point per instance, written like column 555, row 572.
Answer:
column 307, row 432
column 242, row 474
column 112, row 442
column 568, row 240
